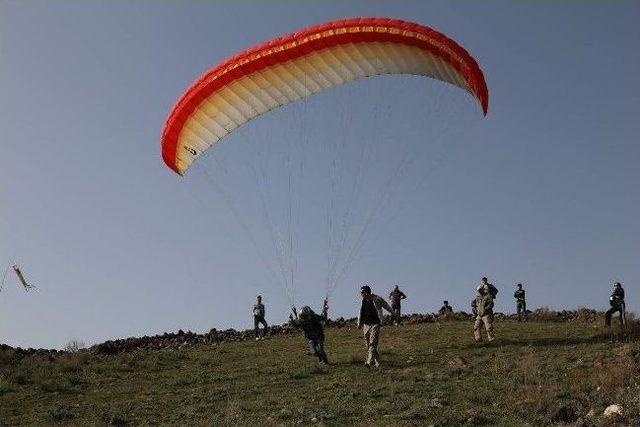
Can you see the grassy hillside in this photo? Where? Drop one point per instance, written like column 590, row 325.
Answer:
column 537, row 373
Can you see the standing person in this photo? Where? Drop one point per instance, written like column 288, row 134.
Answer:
column 521, row 303
column 395, row 297
column 311, row 324
column 482, row 307
column 445, row 309
column 258, row 318
column 370, row 320
column 616, row 300
column 492, row 290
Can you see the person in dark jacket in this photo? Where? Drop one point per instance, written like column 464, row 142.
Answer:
column 521, row 303
column 492, row 290
column 311, row 325
column 446, row 309
column 396, row 296
column 616, row 300
column 370, row 320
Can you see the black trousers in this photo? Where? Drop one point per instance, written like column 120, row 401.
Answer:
column 397, row 311
column 257, row 320
column 316, row 348
column 521, row 307
column 615, row 309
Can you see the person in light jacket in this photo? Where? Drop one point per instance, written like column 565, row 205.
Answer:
column 258, row 319
column 370, row 320
column 482, row 307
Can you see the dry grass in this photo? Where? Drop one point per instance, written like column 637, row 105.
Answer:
column 233, row 413
column 535, row 373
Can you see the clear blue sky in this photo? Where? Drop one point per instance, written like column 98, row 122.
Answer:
column 544, row 190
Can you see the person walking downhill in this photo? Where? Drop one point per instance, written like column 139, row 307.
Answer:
column 482, row 307
column 396, row 296
column 258, row 319
column 521, row 303
column 311, row 324
column 370, row 320
column 616, row 300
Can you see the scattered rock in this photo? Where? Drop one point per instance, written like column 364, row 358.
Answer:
column 613, row 411
column 458, row 363
column 177, row 340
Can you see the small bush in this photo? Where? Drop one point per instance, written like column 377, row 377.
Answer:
column 72, row 362
column 544, row 314
column 58, row 413
column 112, row 417
column 19, row 378
column 5, row 387
column 583, row 314
column 74, row 346
column 299, row 375
column 317, row 370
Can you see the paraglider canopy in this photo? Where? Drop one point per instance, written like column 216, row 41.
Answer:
column 294, row 67
column 300, row 64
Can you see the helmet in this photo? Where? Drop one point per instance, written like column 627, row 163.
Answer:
column 365, row 289
column 305, row 312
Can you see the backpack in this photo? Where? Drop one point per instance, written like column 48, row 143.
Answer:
column 493, row 291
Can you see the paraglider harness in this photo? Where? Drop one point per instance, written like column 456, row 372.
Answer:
column 616, row 301
column 311, row 324
column 493, row 291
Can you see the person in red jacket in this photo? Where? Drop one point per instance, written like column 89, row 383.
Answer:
column 396, row 296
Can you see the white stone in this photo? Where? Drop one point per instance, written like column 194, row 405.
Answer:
column 613, row 410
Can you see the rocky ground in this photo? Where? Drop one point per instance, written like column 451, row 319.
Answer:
column 561, row 368
column 176, row 340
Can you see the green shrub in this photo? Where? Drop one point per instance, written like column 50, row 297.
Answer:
column 59, row 413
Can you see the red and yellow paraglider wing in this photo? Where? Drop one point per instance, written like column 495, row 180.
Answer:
column 295, row 66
